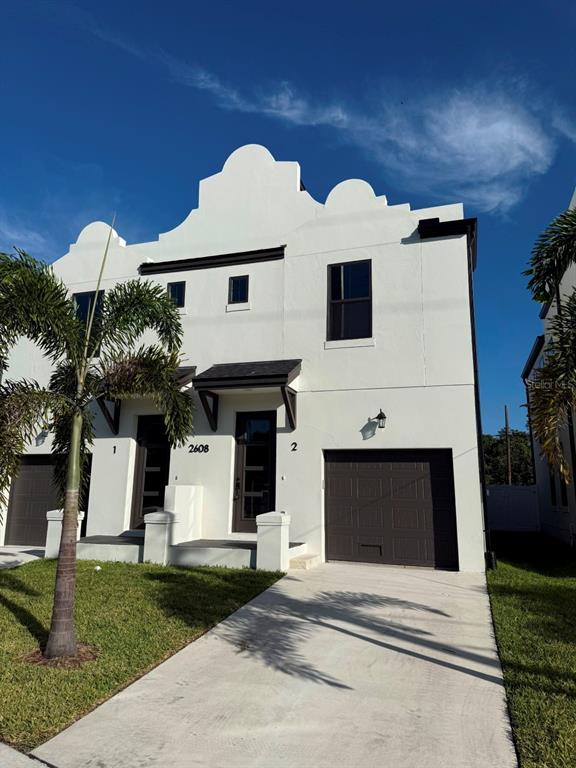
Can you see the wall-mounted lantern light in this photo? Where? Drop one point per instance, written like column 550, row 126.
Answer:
column 40, row 438
column 381, row 419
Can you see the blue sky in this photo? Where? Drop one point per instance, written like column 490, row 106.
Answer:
column 124, row 106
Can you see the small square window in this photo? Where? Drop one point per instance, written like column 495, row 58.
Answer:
column 238, row 290
column 177, row 292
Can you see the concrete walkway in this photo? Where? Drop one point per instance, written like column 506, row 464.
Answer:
column 345, row 665
column 12, row 557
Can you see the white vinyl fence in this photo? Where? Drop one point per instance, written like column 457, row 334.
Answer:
column 513, row 508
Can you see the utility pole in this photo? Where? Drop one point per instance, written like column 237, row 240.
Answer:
column 508, row 450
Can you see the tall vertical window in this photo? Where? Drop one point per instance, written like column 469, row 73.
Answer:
column 84, row 303
column 238, row 290
column 349, row 300
column 177, row 292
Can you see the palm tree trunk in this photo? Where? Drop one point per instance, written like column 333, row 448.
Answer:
column 62, row 638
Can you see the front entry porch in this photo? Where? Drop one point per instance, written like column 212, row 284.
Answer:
column 271, row 550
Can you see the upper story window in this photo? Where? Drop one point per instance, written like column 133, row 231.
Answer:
column 84, row 302
column 349, row 300
column 177, row 292
column 238, row 290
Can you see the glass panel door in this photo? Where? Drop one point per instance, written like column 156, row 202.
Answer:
column 255, row 471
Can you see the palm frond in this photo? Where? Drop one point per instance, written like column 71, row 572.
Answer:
column 150, row 372
column 35, row 303
column 24, row 409
column 552, row 390
column 553, row 252
column 130, row 309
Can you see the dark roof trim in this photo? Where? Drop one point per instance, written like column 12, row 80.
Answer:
column 544, row 309
column 210, row 262
column 265, row 373
column 533, row 356
column 434, row 228
column 185, row 374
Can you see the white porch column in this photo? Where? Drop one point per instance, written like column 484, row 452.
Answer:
column 54, row 531
column 158, row 536
column 273, row 541
column 184, row 502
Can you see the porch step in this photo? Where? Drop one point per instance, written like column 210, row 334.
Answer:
column 231, row 553
column 122, row 549
column 305, row 562
column 221, row 552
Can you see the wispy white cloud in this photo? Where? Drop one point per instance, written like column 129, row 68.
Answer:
column 16, row 232
column 483, row 144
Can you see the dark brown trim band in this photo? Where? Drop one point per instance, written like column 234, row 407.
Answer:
column 211, row 262
column 533, row 356
column 434, row 228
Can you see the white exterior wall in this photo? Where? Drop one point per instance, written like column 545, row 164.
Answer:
column 418, row 366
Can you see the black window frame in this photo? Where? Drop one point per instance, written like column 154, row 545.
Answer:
column 331, row 303
column 97, row 314
column 99, row 302
column 177, row 282
column 231, row 299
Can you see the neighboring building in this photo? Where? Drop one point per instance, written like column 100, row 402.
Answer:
column 556, row 499
column 302, row 322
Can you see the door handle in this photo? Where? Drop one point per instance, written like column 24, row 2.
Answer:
column 237, row 489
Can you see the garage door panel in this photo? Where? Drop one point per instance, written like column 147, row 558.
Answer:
column 369, row 488
column 32, row 494
column 340, row 487
column 406, row 518
column 391, row 507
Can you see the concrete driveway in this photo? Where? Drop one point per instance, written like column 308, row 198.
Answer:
column 346, row 665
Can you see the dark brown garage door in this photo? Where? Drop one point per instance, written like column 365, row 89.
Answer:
column 32, row 494
column 392, row 507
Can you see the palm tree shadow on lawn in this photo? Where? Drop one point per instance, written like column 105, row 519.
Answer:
column 275, row 626
column 10, row 583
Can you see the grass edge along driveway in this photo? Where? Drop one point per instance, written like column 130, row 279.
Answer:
column 533, row 598
column 136, row 615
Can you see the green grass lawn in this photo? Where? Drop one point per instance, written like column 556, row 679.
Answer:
column 136, row 615
column 533, row 595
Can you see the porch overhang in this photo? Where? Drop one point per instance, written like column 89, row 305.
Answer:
column 258, row 375
column 111, row 409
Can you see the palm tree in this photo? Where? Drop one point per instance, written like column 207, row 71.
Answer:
column 100, row 358
column 552, row 389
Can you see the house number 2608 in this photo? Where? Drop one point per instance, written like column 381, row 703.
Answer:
column 202, row 448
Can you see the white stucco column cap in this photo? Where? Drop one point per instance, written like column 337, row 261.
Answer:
column 58, row 514
column 273, row 518
column 160, row 517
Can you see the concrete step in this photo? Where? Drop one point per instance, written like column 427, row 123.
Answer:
column 231, row 554
column 305, row 562
column 111, row 548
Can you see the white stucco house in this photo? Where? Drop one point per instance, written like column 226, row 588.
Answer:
column 556, row 499
column 330, row 351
